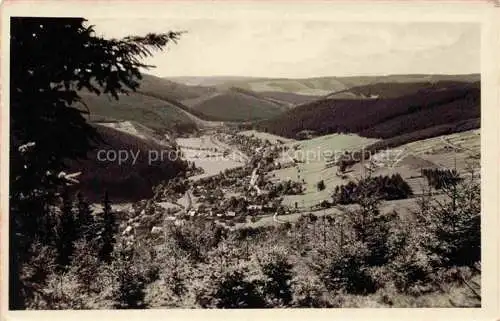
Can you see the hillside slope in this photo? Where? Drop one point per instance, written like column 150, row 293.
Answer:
column 164, row 88
column 149, row 111
column 292, row 98
column 128, row 180
column 308, row 86
column 207, row 106
column 237, row 105
column 381, row 118
column 355, row 81
column 393, row 89
column 164, row 105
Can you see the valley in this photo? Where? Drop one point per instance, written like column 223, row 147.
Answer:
column 282, row 164
column 312, row 164
column 227, row 173
column 211, row 148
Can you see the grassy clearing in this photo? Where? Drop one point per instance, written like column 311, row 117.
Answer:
column 443, row 151
column 207, row 155
column 315, row 153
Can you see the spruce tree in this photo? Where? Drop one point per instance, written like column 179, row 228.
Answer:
column 51, row 61
column 66, row 232
column 371, row 226
column 108, row 231
column 131, row 280
column 278, row 283
column 321, row 185
column 234, row 291
column 84, row 219
column 455, row 224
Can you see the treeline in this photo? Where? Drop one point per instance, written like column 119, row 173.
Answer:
column 381, row 118
column 439, row 178
column 387, row 187
column 286, row 188
column 395, row 89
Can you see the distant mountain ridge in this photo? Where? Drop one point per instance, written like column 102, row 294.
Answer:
column 165, row 105
column 315, row 85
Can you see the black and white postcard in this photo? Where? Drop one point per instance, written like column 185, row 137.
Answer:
column 277, row 159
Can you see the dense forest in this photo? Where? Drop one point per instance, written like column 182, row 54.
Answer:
column 381, row 117
column 384, row 187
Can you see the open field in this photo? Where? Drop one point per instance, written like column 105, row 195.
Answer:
column 315, row 153
column 407, row 160
column 207, row 155
column 138, row 130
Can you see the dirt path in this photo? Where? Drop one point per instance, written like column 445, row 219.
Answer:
column 404, row 207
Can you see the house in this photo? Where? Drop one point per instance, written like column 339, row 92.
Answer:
column 156, row 230
column 231, row 214
column 269, row 207
column 192, row 213
column 254, row 207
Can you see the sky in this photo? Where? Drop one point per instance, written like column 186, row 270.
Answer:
column 306, row 48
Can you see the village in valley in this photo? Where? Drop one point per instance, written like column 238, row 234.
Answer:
column 245, row 178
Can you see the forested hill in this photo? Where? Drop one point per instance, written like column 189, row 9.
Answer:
column 381, row 117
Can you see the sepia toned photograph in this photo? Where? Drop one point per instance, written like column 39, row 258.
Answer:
column 263, row 163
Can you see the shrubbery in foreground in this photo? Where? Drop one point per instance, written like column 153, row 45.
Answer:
column 360, row 258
